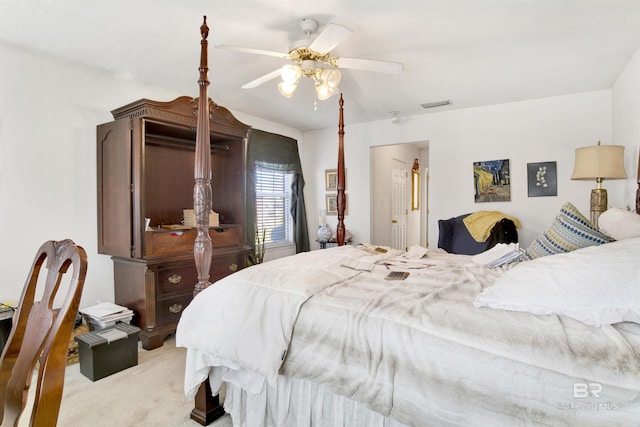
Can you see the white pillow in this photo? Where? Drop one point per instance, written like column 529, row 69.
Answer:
column 619, row 223
column 597, row 285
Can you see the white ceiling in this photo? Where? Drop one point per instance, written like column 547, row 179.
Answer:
column 472, row 52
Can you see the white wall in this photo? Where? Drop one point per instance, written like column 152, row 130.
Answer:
column 49, row 110
column 626, row 125
column 537, row 130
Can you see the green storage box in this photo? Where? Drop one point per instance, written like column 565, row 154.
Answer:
column 108, row 351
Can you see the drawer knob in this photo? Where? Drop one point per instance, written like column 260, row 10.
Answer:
column 175, row 308
column 175, row 279
column 233, row 267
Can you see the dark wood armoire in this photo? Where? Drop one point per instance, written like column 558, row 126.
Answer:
column 146, row 171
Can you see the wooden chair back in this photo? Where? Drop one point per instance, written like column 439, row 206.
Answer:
column 40, row 335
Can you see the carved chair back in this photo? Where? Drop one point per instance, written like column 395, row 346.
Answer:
column 40, row 334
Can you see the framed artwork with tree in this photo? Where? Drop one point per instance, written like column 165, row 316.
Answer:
column 542, row 179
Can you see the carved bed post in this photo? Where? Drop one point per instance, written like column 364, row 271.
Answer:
column 341, row 198
column 202, row 193
column 207, row 407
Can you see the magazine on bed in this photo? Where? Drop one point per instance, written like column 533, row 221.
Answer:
column 500, row 254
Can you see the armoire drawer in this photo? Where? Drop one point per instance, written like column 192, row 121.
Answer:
column 226, row 236
column 162, row 242
column 183, row 278
column 176, row 279
column 223, row 266
column 168, row 310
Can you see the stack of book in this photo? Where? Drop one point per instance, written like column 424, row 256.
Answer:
column 6, row 311
column 106, row 314
column 6, row 320
column 190, row 218
column 500, row 254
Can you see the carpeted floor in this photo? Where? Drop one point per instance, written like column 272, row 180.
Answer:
column 147, row 395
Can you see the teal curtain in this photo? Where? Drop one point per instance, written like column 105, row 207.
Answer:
column 276, row 152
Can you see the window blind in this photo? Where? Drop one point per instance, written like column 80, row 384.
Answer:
column 273, row 205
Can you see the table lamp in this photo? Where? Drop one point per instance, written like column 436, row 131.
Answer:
column 599, row 162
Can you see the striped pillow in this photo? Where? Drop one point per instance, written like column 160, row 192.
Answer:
column 569, row 231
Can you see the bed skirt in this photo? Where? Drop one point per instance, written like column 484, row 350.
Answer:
column 297, row 402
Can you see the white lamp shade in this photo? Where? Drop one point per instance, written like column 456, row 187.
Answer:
column 323, row 91
column 599, row 161
column 331, row 77
column 290, row 73
column 287, row 88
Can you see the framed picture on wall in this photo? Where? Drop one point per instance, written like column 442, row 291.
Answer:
column 492, row 181
column 332, row 204
column 542, row 179
column 331, row 179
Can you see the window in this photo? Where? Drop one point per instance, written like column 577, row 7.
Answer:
column 273, row 206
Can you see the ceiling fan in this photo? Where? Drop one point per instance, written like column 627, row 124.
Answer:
column 312, row 58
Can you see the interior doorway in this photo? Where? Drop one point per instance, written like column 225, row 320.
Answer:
column 385, row 206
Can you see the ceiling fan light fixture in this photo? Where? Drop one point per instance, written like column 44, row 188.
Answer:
column 287, row 89
column 323, row 91
column 290, row 73
column 331, row 77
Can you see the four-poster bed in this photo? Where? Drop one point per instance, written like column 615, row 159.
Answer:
column 323, row 339
column 207, row 407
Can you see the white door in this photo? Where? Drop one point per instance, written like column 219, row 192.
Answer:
column 399, row 205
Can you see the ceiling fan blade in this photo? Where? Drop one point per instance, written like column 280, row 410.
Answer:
column 329, row 38
column 252, row 50
column 260, row 80
column 370, row 65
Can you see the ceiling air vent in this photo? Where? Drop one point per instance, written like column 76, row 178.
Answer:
column 436, row 104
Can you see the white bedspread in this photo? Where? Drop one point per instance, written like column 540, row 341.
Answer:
column 415, row 350
column 246, row 319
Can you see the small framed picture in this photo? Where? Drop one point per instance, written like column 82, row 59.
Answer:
column 332, row 204
column 331, row 179
column 542, row 179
